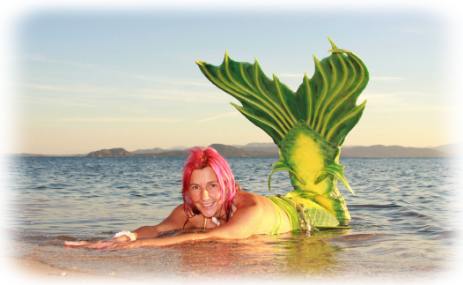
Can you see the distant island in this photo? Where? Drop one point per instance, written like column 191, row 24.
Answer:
column 392, row 151
column 271, row 150
column 253, row 150
column 224, row 150
column 114, row 152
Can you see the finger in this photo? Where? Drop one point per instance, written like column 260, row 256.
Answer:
column 75, row 243
column 111, row 247
column 83, row 244
column 118, row 246
column 104, row 245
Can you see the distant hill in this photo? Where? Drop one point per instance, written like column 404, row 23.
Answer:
column 169, row 153
column 224, row 150
column 230, row 151
column 391, row 151
column 114, row 152
column 451, row 148
column 148, row 151
column 271, row 150
column 261, row 147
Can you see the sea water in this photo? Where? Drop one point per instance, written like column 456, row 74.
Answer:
column 404, row 219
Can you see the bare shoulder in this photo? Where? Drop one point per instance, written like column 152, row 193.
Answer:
column 176, row 219
column 246, row 199
column 178, row 212
column 179, row 220
column 178, row 215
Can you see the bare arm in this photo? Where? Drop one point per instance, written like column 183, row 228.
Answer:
column 174, row 221
column 246, row 221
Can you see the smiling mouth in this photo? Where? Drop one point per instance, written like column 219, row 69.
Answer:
column 208, row 205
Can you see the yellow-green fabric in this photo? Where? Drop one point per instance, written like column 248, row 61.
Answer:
column 277, row 227
column 290, row 209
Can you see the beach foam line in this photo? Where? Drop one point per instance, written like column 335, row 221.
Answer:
column 15, row 270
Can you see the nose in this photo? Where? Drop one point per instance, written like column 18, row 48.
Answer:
column 204, row 194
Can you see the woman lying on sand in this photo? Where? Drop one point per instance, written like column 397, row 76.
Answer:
column 211, row 200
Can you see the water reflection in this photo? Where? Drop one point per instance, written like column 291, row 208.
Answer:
column 289, row 254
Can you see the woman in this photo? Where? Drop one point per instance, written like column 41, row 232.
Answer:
column 211, row 200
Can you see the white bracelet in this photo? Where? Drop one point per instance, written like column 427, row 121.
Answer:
column 127, row 234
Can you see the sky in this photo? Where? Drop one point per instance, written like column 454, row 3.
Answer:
column 89, row 79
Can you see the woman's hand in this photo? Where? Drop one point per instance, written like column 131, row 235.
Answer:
column 119, row 245
column 115, row 243
column 97, row 244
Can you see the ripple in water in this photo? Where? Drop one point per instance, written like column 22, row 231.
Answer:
column 403, row 219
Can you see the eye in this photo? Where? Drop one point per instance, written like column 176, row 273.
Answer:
column 213, row 187
column 194, row 187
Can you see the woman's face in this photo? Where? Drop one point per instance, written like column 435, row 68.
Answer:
column 204, row 191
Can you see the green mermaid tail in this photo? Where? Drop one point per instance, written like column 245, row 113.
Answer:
column 309, row 125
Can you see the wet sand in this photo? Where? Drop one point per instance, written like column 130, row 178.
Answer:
column 26, row 270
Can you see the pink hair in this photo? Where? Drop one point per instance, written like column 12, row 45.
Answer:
column 202, row 158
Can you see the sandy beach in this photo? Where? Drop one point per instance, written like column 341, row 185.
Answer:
column 27, row 270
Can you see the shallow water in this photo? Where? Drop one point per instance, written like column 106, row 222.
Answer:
column 404, row 220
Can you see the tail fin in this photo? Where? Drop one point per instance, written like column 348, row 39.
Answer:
column 326, row 102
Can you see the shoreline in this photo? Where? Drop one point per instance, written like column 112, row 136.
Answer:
column 29, row 270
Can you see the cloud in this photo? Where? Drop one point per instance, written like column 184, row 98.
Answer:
column 390, row 94
column 443, row 33
column 407, row 109
column 77, row 89
column 386, row 78
column 382, row 78
column 166, row 80
column 178, row 95
column 29, row 57
column 175, row 81
column 113, row 120
column 151, row 94
column 405, row 102
column 427, row 108
column 65, row 102
column 216, row 117
column 17, row 98
column 39, row 57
